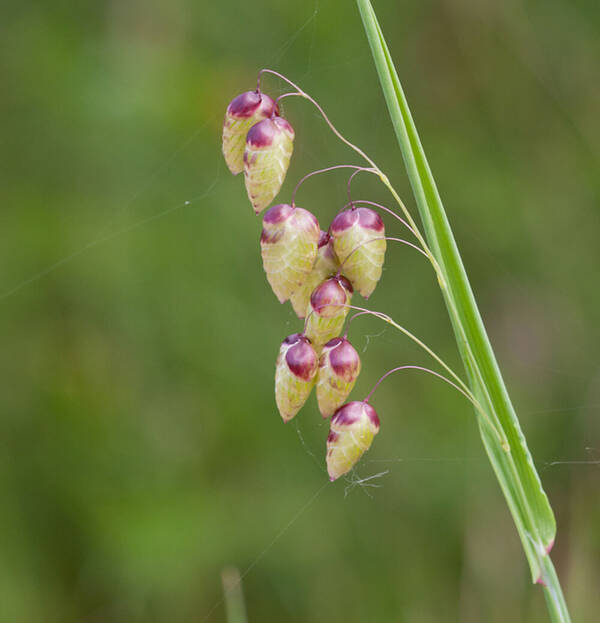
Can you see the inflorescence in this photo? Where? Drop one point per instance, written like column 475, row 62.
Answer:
column 318, row 272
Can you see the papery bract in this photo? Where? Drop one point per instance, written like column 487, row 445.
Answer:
column 351, row 433
column 288, row 244
column 339, row 367
column 243, row 112
column 269, row 147
column 358, row 242
column 295, row 374
column 327, row 310
column 326, row 265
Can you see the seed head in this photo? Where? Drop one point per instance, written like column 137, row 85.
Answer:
column 327, row 310
column 339, row 367
column 356, row 234
column 295, row 374
column 269, row 147
column 288, row 244
column 351, row 433
column 326, row 265
column 243, row 112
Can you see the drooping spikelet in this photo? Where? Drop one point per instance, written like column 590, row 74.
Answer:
column 326, row 265
column 243, row 112
column 358, row 242
column 351, row 433
column 327, row 310
column 339, row 367
column 295, row 374
column 289, row 247
column 269, row 147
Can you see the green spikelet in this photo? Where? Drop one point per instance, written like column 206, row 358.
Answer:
column 295, row 373
column 269, row 147
column 242, row 113
column 327, row 310
column 350, row 435
column 357, row 239
column 326, row 265
column 339, row 367
column 289, row 247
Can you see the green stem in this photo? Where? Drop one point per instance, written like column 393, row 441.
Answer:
column 555, row 600
column 235, row 609
column 517, row 476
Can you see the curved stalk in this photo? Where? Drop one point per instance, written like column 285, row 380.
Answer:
column 464, row 388
column 362, row 244
column 360, row 152
column 422, row 369
column 357, row 169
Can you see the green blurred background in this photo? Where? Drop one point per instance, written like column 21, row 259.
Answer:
column 140, row 448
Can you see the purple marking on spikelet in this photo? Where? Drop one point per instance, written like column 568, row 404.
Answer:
column 352, row 412
column 324, row 239
column 365, row 217
column 344, row 220
column 262, row 134
column 369, row 219
column 345, row 283
column 278, row 214
column 302, row 360
column 284, row 125
column 344, row 359
column 246, row 104
column 293, row 338
column 329, row 293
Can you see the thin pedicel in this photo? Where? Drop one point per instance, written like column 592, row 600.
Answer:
column 325, row 170
column 377, row 170
column 360, row 152
column 422, row 369
column 362, row 244
column 306, row 96
column 459, row 385
column 352, row 176
column 463, row 387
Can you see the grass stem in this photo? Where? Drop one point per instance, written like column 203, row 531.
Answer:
column 514, row 469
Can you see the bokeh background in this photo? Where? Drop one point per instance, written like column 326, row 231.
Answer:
column 141, row 452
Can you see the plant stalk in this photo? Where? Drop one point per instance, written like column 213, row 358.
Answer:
column 512, row 463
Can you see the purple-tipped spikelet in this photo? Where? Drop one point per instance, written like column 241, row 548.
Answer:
column 326, row 265
column 295, row 374
column 339, row 367
column 361, row 262
column 288, row 245
column 243, row 112
column 269, row 147
column 327, row 310
column 351, row 433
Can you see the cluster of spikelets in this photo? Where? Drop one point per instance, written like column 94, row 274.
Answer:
column 316, row 271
